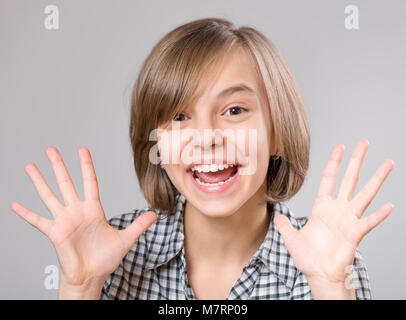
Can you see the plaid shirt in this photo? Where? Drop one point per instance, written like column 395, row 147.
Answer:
column 155, row 267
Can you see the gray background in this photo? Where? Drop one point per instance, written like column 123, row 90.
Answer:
column 70, row 88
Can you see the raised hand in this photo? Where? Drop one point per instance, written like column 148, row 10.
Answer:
column 87, row 247
column 326, row 245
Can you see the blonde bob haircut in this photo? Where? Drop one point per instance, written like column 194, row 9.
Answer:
column 171, row 78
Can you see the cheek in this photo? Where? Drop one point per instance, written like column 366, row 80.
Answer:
column 256, row 148
column 176, row 175
column 170, row 147
column 263, row 142
column 263, row 139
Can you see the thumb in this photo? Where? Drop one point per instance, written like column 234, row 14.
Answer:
column 137, row 227
column 285, row 228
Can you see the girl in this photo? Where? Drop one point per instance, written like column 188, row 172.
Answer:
column 216, row 227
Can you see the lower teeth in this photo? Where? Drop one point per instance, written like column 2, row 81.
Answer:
column 213, row 184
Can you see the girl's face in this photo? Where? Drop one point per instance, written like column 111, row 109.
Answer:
column 237, row 114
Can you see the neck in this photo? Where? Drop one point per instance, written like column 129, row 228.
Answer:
column 233, row 238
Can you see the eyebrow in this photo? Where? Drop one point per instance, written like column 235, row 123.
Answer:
column 240, row 87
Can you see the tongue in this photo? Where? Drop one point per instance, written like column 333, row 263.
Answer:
column 214, row 177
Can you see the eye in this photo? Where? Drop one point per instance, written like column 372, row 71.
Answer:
column 235, row 110
column 180, row 117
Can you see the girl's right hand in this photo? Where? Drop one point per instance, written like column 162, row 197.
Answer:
column 87, row 247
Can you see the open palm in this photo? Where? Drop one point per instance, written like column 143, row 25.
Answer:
column 327, row 243
column 86, row 245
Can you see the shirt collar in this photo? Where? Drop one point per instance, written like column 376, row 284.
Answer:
column 168, row 235
column 272, row 252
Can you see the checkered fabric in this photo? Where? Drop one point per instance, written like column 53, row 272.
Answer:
column 155, row 268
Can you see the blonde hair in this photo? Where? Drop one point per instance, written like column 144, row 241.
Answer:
column 171, row 78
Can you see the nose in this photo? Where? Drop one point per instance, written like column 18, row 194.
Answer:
column 209, row 135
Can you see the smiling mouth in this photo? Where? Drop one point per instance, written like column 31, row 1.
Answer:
column 214, row 175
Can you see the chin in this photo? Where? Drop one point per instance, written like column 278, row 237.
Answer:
column 216, row 210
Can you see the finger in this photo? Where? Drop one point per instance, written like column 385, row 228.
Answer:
column 90, row 187
column 364, row 197
column 328, row 180
column 286, row 229
column 62, row 176
column 373, row 220
column 136, row 228
column 45, row 193
column 351, row 175
column 42, row 224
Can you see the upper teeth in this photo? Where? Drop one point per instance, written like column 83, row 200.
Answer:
column 211, row 167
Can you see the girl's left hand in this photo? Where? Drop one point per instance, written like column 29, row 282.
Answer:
column 326, row 245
